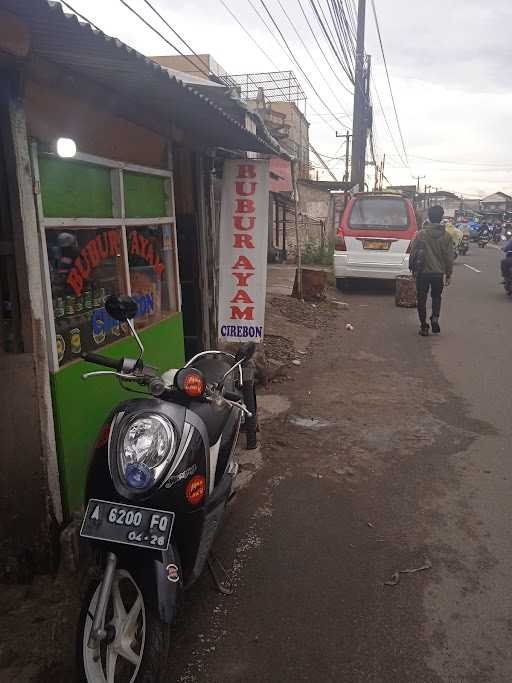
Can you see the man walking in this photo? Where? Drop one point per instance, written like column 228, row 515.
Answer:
column 431, row 261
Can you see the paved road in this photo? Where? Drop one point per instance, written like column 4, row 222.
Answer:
column 409, row 467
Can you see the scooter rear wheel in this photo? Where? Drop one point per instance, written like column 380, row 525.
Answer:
column 137, row 647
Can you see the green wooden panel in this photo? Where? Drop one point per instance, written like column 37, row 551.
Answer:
column 71, row 189
column 144, row 196
column 81, row 407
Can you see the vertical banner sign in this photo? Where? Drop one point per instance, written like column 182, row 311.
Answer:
column 243, row 250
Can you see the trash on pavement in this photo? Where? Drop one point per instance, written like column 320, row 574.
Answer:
column 296, row 362
column 396, row 576
column 341, row 304
column 349, row 327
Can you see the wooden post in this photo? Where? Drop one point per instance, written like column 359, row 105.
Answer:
column 297, row 235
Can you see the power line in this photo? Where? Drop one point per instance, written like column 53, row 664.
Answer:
column 310, row 55
column 88, row 21
column 342, row 29
column 326, row 30
column 269, row 29
column 150, row 26
column 389, row 80
column 177, row 34
column 327, row 123
column 406, row 165
column 297, row 63
column 322, row 51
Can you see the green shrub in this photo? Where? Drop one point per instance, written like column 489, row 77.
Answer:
column 317, row 254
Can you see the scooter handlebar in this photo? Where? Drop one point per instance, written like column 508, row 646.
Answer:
column 114, row 363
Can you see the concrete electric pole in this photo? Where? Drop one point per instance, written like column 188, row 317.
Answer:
column 359, row 123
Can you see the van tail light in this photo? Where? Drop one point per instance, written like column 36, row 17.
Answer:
column 339, row 243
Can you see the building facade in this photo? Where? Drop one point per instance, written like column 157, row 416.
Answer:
column 131, row 212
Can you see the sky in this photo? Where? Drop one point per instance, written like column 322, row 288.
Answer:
column 448, row 63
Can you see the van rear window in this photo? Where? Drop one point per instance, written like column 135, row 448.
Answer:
column 379, row 213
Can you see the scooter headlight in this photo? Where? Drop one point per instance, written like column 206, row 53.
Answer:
column 145, row 445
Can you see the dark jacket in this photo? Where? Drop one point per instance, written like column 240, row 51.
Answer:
column 437, row 246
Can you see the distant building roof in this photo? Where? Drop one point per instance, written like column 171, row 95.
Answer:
column 497, row 196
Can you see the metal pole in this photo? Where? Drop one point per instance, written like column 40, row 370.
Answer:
column 297, row 233
column 347, row 152
column 359, row 123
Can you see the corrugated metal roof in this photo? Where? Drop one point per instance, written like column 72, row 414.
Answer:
column 63, row 39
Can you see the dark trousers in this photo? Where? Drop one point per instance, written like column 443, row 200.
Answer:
column 434, row 282
column 506, row 265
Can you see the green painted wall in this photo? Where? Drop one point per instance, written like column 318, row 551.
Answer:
column 144, row 195
column 81, row 407
column 73, row 190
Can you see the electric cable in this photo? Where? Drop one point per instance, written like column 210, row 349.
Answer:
column 311, row 56
column 326, row 30
column 388, row 78
column 297, row 63
column 322, row 51
column 150, row 26
column 269, row 29
column 88, row 21
column 177, row 35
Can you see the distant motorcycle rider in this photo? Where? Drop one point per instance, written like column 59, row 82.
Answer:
column 506, row 262
column 431, row 261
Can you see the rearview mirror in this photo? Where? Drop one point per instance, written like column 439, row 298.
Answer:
column 245, row 352
column 121, row 308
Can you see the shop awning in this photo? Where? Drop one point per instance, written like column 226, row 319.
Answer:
column 64, row 40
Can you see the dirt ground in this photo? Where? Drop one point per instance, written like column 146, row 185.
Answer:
column 38, row 620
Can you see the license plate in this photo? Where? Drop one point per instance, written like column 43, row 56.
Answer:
column 383, row 246
column 128, row 524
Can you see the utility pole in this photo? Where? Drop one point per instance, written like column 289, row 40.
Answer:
column 418, row 178
column 416, row 199
column 360, row 106
column 347, row 153
column 381, row 184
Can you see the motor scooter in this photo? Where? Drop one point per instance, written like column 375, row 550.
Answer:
column 484, row 239
column 159, row 480
column 463, row 246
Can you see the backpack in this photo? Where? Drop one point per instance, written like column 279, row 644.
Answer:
column 418, row 259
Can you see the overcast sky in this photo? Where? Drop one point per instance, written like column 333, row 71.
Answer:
column 449, row 63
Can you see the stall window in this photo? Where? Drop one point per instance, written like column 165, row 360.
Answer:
column 85, row 265
column 107, row 231
column 152, row 273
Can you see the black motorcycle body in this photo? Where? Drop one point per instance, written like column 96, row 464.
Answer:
column 152, row 519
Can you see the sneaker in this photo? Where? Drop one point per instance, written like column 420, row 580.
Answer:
column 424, row 330
column 435, row 325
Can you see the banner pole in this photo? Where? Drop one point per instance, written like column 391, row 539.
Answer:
column 297, row 234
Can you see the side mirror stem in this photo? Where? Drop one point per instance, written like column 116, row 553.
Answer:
column 221, row 383
column 137, row 339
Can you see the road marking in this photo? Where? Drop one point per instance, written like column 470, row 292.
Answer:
column 471, row 268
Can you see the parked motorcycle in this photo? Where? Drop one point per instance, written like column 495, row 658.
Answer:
column 463, row 246
column 158, row 484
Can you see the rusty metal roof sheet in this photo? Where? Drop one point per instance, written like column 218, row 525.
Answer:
column 63, row 39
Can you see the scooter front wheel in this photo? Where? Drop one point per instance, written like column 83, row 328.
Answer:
column 136, row 648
